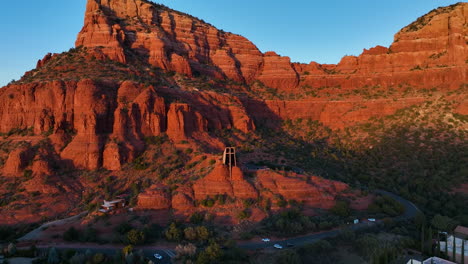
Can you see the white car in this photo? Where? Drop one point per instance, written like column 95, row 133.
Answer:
column 157, row 256
column 265, row 239
column 278, row 246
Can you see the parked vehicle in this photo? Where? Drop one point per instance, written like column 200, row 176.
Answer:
column 278, row 246
column 265, row 239
column 157, row 256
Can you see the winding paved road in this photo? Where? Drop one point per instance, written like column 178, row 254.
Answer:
column 411, row 211
column 112, row 251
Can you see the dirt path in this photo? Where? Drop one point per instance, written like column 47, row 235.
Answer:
column 36, row 233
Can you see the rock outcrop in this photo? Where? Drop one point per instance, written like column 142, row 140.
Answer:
column 18, row 160
column 220, row 182
column 319, row 193
column 157, row 197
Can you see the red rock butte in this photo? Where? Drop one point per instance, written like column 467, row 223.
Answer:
column 141, row 70
column 431, row 52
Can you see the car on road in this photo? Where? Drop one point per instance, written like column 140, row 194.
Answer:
column 278, row 246
column 265, row 239
column 157, row 256
column 290, row 244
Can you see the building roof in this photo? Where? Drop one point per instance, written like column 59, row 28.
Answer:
column 461, row 230
column 436, row 260
column 413, row 261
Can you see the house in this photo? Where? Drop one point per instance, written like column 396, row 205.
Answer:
column 461, row 232
column 458, row 248
column 109, row 206
column 413, row 261
column 433, row 260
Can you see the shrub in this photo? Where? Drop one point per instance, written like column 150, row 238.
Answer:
column 136, row 237
column 71, row 234
column 173, row 233
column 341, row 208
column 189, row 151
column 197, row 218
column 244, row 214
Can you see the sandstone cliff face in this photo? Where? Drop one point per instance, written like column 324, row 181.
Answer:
column 172, row 41
column 431, row 52
column 427, row 53
column 103, row 124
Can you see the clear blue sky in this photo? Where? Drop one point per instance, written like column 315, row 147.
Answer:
column 305, row 30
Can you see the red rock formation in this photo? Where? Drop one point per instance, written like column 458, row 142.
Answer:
column 319, row 193
column 111, row 118
column 219, row 181
column 174, row 41
column 278, row 72
column 18, row 160
column 216, row 182
column 242, row 189
column 431, row 52
column 182, row 200
column 156, row 197
column 182, row 121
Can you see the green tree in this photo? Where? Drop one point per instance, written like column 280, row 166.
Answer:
column 71, row 234
column 463, row 252
column 190, row 233
column 127, row 250
column 77, row 259
column 443, row 223
column 429, row 239
column 446, row 247
column 136, row 237
column 211, row 254
column 288, row 257
column 173, row 233
column 423, row 239
column 203, row 233
column 438, row 245
column 98, row 258
column 454, row 249
column 341, row 208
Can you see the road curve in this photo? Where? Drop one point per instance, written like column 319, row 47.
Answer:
column 411, row 210
column 166, row 254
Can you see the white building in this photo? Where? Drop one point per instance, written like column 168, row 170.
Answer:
column 433, row 260
column 108, row 206
column 458, row 248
